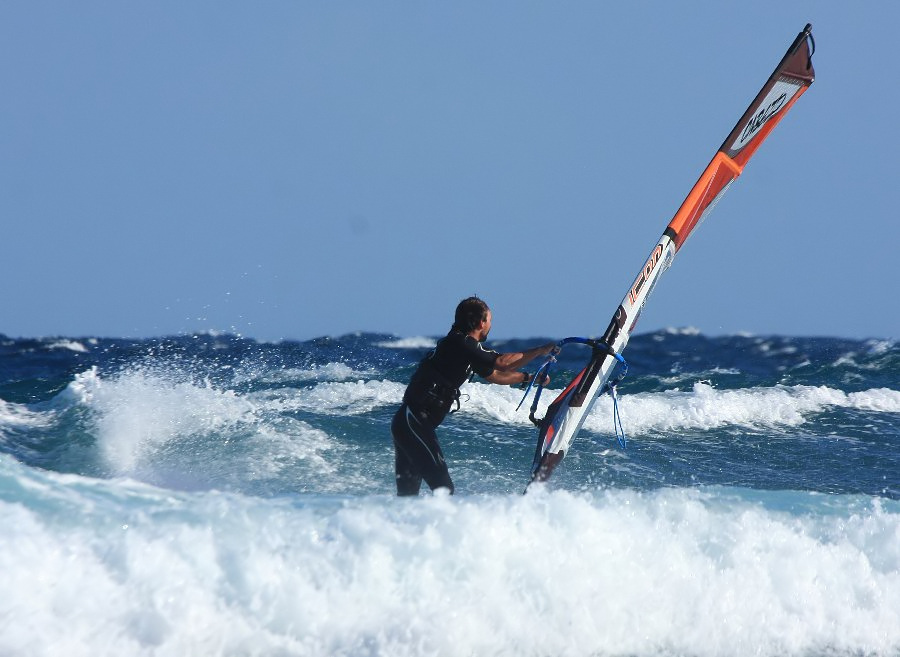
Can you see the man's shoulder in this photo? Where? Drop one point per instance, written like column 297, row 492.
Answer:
column 464, row 341
column 479, row 346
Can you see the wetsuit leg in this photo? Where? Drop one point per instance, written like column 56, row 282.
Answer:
column 418, row 454
column 408, row 481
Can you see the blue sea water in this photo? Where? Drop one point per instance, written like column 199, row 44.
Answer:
column 213, row 495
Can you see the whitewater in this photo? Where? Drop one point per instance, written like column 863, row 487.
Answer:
column 214, row 495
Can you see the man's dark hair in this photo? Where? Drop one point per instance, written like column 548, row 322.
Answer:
column 469, row 314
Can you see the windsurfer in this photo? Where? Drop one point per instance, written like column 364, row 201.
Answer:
column 434, row 388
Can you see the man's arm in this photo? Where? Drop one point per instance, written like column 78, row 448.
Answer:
column 509, row 362
column 512, row 378
column 506, row 365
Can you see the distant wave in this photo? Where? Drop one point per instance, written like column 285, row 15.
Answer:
column 702, row 408
column 72, row 345
column 408, row 343
column 327, row 372
column 682, row 330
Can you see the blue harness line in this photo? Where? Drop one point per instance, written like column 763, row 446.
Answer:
column 610, row 386
column 617, row 417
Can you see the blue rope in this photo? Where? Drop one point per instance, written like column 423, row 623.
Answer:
column 617, row 418
column 538, row 376
column 544, row 370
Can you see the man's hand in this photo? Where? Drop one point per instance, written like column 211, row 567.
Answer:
column 548, row 348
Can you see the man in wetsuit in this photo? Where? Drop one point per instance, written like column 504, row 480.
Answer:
column 434, row 388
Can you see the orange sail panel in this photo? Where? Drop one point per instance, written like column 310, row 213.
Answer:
column 791, row 78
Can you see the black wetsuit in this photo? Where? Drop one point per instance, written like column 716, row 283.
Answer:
column 431, row 393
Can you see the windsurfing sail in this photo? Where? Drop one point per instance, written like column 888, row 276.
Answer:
column 566, row 415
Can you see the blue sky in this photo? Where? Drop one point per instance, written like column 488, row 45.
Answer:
column 287, row 170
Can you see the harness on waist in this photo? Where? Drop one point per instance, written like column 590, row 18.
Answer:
column 432, row 390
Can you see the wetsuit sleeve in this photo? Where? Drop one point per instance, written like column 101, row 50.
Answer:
column 483, row 360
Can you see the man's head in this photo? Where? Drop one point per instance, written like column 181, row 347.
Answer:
column 473, row 315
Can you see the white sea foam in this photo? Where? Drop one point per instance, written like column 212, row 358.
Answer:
column 419, row 342
column 877, row 399
column 707, row 408
column 20, row 416
column 112, row 568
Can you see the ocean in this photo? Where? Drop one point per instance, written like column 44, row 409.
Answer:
column 214, row 495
